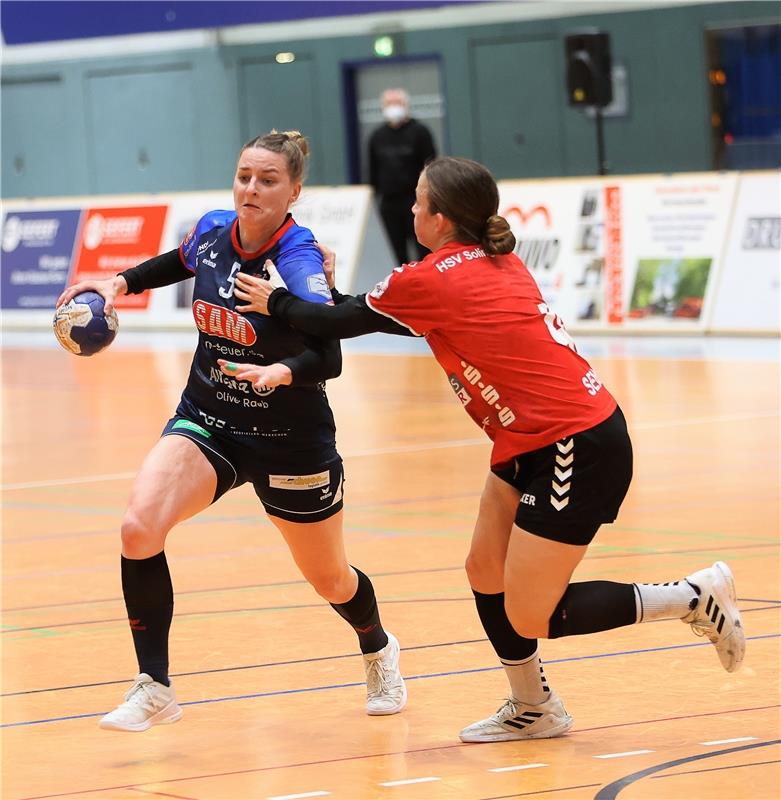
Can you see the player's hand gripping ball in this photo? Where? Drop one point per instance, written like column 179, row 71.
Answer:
column 82, row 327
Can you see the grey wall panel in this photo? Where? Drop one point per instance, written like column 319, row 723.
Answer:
column 283, row 97
column 142, row 129
column 165, row 121
column 517, row 122
column 38, row 148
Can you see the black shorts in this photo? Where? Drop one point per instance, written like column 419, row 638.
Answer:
column 570, row 488
column 308, row 488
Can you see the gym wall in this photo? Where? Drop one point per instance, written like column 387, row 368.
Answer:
column 173, row 121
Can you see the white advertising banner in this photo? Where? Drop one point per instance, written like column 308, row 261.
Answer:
column 689, row 252
column 337, row 216
column 558, row 226
column 674, row 234
column 748, row 295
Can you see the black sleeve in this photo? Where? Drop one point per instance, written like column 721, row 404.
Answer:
column 162, row 270
column 426, row 149
column 351, row 316
column 321, row 361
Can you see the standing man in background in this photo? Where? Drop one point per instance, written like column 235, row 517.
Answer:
column 398, row 151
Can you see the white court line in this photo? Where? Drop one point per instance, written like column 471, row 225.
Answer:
column 298, row 796
column 676, row 423
column 407, row 782
column 730, row 741
column 117, row 476
column 519, row 766
column 627, row 753
column 408, row 448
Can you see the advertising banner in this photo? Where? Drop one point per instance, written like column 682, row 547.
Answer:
column 37, row 247
column 560, row 231
column 184, row 212
column 748, row 296
column 688, row 252
column 337, row 217
column 114, row 239
column 674, row 235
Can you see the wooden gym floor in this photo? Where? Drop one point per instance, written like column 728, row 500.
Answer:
column 268, row 675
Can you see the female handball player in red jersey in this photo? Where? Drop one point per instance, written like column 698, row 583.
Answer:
column 562, row 459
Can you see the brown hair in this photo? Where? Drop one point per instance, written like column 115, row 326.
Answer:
column 292, row 144
column 466, row 193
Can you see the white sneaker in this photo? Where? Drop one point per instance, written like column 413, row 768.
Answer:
column 716, row 614
column 147, row 703
column 385, row 689
column 516, row 720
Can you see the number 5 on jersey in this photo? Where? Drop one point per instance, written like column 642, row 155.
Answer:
column 226, row 293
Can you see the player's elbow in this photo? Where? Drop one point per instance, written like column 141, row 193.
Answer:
column 335, row 363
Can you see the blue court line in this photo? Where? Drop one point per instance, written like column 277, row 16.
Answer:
column 45, row 628
column 458, row 568
column 312, row 660
column 352, row 685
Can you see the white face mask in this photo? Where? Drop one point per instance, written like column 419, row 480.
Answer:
column 394, row 113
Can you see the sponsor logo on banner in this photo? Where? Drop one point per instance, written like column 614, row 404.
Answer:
column 614, row 256
column 218, row 321
column 558, row 228
column 748, row 296
column 678, row 227
column 537, row 252
column 115, row 239
column 762, row 233
column 37, row 247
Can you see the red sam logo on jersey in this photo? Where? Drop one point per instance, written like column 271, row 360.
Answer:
column 219, row 321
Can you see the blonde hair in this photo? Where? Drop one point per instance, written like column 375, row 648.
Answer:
column 292, row 144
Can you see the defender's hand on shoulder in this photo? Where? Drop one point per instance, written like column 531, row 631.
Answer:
column 255, row 291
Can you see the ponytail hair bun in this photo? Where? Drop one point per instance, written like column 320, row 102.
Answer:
column 297, row 138
column 292, row 144
column 498, row 239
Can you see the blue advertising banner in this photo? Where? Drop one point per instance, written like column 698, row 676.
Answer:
column 37, row 249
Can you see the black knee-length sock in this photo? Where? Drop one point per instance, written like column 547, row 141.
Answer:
column 593, row 606
column 509, row 645
column 518, row 655
column 362, row 613
column 149, row 599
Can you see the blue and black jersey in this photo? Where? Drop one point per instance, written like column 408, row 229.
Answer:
column 296, row 416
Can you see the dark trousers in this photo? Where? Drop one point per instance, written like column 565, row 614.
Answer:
column 396, row 213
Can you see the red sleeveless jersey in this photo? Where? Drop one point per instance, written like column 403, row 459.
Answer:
column 507, row 356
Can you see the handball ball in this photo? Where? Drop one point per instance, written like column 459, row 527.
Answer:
column 82, row 327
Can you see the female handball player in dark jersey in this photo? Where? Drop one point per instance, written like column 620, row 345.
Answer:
column 268, row 424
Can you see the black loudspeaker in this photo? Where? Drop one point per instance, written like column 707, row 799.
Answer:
column 589, row 81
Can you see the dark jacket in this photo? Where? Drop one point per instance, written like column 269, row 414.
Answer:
column 397, row 156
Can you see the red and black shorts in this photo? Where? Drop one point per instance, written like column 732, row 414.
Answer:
column 572, row 487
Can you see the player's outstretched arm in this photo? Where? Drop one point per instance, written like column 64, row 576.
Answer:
column 350, row 317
